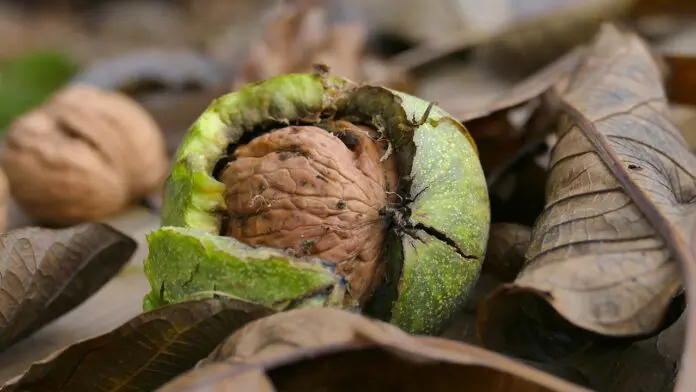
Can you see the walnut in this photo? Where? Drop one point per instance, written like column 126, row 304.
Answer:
column 4, row 191
column 314, row 192
column 82, row 155
column 308, row 190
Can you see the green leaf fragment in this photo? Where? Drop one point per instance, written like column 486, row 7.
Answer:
column 27, row 81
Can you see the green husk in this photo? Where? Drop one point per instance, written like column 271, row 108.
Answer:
column 434, row 259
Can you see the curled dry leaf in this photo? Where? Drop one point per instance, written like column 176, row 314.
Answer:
column 681, row 78
column 618, row 213
column 307, row 349
column 685, row 119
column 554, row 76
column 664, row 7
column 529, row 43
column 45, row 273
column 83, row 155
column 517, row 187
column 142, row 354
column 648, row 366
column 299, row 34
column 523, row 43
column 287, row 332
column 507, row 245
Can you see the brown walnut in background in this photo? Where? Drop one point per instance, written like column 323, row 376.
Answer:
column 4, row 191
column 82, row 155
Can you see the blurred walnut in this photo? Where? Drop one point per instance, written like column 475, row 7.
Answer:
column 3, row 201
column 82, row 155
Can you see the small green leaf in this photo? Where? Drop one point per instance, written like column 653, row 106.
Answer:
column 27, row 81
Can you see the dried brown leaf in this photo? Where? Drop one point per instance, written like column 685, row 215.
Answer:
column 507, row 245
column 663, row 7
column 308, row 349
column 552, row 76
column 650, row 365
column 142, row 354
column 534, row 42
column 299, row 34
column 685, row 119
column 296, row 35
column 46, row 273
column 517, row 189
column 618, row 217
column 497, row 140
column 524, row 43
column 681, row 80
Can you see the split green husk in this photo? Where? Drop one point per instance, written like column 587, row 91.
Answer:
column 437, row 236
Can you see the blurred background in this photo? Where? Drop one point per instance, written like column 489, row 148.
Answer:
column 139, row 46
column 74, row 155
column 174, row 56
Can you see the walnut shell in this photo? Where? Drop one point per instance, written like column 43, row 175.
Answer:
column 4, row 191
column 312, row 192
column 82, row 155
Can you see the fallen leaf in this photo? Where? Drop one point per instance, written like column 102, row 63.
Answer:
column 648, row 366
column 295, row 34
column 251, row 379
column 685, row 119
column 497, row 140
column 507, row 245
column 550, row 77
column 46, row 273
column 329, row 349
column 119, row 300
column 416, row 20
column 618, row 217
column 533, row 42
column 681, row 80
column 299, row 34
column 517, row 191
column 663, row 7
column 142, row 354
column 522, row 44
column 460, row 86
column 377, row 71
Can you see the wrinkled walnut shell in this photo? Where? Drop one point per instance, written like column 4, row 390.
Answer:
column 316, row 193
column 82, row 155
